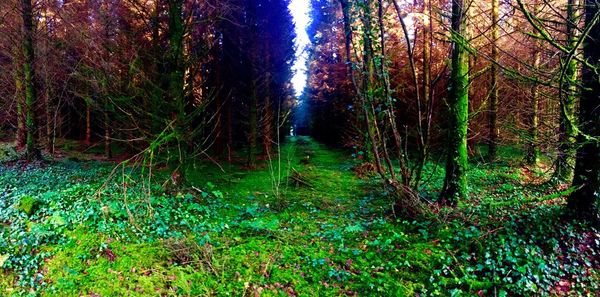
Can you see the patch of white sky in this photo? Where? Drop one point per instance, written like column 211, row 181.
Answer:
column 300, row 12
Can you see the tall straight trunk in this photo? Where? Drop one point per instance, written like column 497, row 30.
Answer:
column 48, row 89
column 584, row 201
column 268, row 118
column 253, row 125
column 88, row 124
column 267, row 126
column 384, row 78
column 471, row 133
column 176, row 76
column 346, row 8
column 368, row 83
column 20, row 101
column 219, row 108
column 31, row 146
column 565, row 161
column 493, row 103
column 532, row 149
column 455, row 182
column 175, row 56
column 107, row 142
column 253, row 108
column 48, row 111
column 427, row 94
column 229, row 132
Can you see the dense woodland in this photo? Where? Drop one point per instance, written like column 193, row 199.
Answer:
column 160, row 148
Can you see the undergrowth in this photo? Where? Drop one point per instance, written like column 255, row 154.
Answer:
column 80, row 228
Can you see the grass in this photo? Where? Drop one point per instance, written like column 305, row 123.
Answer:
column 226, row 233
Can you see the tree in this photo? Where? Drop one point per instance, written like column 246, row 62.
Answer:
column 532, row 148
column 494, row 84
column 569, row 93
column 532, row 145
column 31, row 146
column 584, row 201
column 455, row 182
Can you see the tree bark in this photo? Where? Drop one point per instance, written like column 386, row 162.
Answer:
column 493, row 103
column 584, row 201
column 31, row 146
column 253, row 108
column 455, row 182
column 88, row 124
column 20, row 101
column 565, row 161
column 532, row 148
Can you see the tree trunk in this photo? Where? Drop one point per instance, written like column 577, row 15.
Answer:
column 32, row 150
column 88, row 124
column 49, row 137
column 565, row 161
column 176, row 75
column 107, row 146
column 532, row 149
column 267, row 126
column 253, row 108
column 253, row 122
column 427, row 94
column 584, row 201
column 493, row 103
column 176, row 67
column 20, row 101
column 268, row 117
column 48, row 110
column 455, row 182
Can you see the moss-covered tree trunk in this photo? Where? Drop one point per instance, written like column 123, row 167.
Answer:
column 584, row 201
column 565, row 160
column 31, row 143
column 455, row 182
column 493, row 103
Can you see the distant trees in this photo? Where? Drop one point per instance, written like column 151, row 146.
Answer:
column 253, row 67
column 531, row 91
column 171, row 75
column 328, row 85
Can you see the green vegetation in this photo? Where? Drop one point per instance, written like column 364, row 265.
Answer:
column 105, row 232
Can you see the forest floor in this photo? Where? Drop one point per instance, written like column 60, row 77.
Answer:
column 78, row 227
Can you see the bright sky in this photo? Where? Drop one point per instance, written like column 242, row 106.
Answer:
column 300, row 9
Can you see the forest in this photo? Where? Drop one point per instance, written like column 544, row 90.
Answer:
column 299, row 148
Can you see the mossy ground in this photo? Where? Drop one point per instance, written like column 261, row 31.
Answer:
column 106, row 232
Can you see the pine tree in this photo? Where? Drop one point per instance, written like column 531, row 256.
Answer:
column 31, row 143
column 455, row 183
